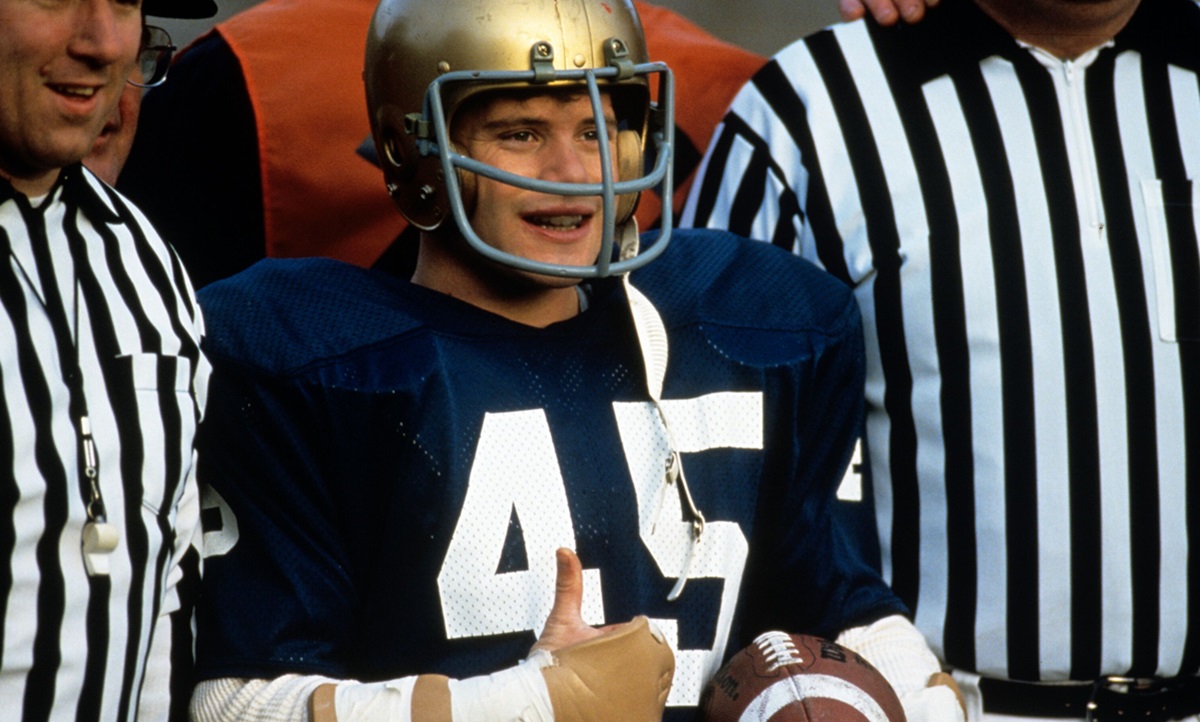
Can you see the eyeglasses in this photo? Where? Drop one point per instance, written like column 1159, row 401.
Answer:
column 155, row 56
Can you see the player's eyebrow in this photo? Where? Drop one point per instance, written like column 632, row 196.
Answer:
column 512, row 121
column 538, row 121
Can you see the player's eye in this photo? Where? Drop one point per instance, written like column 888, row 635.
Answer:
column 593, row 134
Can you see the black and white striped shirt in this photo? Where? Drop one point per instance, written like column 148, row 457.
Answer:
column 87, row 285
column 1022, row 234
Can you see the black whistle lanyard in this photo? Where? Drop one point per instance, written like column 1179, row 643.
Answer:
column 99, row 537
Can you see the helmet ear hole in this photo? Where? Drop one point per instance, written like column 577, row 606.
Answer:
column 414, row 183
column 629, row 167
column 391, row 149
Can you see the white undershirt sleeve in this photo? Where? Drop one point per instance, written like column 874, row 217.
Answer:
column 899, row 651
column 232, row 699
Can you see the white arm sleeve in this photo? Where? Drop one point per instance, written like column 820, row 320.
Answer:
column 517, row 692
column 899, row 651
column 232, row 699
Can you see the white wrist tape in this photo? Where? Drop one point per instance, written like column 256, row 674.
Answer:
column 516, row 693
column 389, row 701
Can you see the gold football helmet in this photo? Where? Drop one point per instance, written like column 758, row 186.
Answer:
column 424, row 58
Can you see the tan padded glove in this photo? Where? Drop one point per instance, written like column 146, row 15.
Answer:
column 623, row 675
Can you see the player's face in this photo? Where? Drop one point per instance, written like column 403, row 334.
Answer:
column 63, row 66
column 551, row 137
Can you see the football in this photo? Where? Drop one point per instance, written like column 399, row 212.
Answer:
column 784, row 677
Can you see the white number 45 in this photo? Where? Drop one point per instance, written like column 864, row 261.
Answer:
column 516, row 471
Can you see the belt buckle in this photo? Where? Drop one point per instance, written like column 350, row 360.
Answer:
column 1127, row 698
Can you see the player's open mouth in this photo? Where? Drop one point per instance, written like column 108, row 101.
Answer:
column 557, row 223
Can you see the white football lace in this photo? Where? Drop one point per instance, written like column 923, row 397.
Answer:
column 778, row 649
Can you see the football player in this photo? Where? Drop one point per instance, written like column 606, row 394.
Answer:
column 395, row 469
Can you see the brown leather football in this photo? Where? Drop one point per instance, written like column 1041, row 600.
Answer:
column 784, row 677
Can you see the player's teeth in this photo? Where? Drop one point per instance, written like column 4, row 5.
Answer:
column 560, row 221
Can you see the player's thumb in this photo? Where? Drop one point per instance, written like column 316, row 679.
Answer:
column 565, row 623
column 568, row 589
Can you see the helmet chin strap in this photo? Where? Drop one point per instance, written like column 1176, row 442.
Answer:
column 628, row 244
column 652, row 339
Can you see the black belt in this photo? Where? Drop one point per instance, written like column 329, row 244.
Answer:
column 1110, row 699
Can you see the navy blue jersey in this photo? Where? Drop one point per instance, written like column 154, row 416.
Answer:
column 389, row 470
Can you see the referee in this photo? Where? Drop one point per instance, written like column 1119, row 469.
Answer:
column 101, row 387
column 1010, row 186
